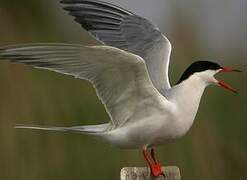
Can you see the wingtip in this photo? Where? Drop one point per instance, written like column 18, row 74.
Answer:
column 22, row 126
column 3, row 48
column 69, row 1
column 19, row 126
column 63, row 1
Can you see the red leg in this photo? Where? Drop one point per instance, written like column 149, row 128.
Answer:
column 153, row 156
column 154, row 167
column 146, row 156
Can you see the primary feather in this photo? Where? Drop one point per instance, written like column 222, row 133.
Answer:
column 91, row 129
column 117, row 27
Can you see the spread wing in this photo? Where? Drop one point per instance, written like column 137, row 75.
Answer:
column 115, row 26
column 120, row 78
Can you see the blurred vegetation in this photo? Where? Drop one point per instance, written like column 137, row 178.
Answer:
column 214, row 149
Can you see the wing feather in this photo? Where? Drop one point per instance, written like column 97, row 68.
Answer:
column 120, row 78
column 117, row 27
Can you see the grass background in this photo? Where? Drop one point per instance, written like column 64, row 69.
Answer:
column 214, row 149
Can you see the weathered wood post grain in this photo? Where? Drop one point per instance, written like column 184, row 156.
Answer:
column 143, row 173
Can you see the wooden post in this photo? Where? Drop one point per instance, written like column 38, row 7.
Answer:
column 143, row 173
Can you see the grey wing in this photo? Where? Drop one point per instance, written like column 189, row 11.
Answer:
column 120, row 78
column 115, row 26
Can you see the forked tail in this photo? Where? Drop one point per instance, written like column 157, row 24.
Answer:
column 91, row 129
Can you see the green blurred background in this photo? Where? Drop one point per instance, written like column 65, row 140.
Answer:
column 215, row 148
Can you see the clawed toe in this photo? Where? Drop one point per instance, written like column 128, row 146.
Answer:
column 157, row 170
column 155, row 167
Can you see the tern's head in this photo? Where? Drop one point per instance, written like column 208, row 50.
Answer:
column 206, row 70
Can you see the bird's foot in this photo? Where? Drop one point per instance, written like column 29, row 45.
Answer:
column 155, row 167
column 156, row 170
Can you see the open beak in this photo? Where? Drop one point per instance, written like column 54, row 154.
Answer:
column 225, row 85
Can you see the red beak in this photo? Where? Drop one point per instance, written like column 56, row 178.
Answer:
column 225, row 85
column 227, row 69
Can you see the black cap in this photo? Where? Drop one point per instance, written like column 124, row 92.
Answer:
column 198, row 66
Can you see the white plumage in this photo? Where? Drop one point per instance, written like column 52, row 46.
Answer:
column 130, row 74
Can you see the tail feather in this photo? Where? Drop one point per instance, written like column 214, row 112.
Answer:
column 91, row 129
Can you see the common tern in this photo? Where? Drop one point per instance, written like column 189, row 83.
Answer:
column 129, row 71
